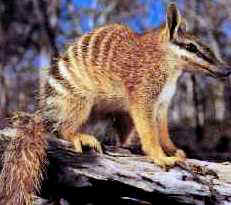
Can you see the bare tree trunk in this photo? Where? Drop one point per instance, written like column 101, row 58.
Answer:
column 4, row 98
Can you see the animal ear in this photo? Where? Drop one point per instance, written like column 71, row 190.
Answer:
column 174, row 21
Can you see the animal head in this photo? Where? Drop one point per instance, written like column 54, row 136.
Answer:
column 187, row 51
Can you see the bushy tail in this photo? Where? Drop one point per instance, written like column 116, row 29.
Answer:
column 24, row 161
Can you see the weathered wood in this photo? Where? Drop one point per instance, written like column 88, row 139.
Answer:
column 131, row 177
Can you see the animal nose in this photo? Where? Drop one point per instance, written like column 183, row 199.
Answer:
column 226, row 71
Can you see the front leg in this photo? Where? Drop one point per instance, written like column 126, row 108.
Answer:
column 143, row 113
column 166, row 142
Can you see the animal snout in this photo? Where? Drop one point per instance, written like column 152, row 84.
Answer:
column 225, row 71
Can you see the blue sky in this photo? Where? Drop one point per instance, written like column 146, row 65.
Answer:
column 155, row 14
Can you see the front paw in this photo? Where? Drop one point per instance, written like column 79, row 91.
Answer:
column 160, row 159
column 166, row 162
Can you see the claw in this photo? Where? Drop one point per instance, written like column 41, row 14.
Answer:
column 166, row 162
column 86, row 140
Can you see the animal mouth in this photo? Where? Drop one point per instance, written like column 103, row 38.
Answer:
column 213, row 74
column 206, row 69
column 218, row 75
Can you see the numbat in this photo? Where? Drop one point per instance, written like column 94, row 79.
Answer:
column 113, row 69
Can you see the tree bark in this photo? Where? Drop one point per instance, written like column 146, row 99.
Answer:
column 128, row 178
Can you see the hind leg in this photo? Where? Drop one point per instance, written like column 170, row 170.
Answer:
column 76, row 113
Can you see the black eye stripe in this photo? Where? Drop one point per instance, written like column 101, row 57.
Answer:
column 201, row 55
column 192, row 48
column 189, row 47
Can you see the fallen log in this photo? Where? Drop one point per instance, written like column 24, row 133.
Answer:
column 119, row 177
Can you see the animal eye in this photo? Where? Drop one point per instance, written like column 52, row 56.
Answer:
column 191, row 48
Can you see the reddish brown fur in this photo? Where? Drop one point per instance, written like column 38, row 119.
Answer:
column 111, row 69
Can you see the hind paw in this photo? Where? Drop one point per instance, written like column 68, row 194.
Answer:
column 86, row 140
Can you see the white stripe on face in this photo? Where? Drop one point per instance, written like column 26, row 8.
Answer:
column 180, row 52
